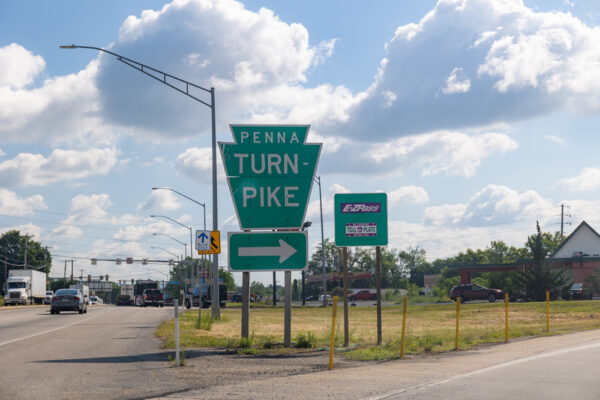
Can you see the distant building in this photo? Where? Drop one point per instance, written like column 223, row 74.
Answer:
column 430, row 282
column 579, row 254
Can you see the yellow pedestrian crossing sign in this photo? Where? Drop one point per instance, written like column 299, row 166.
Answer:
column 215, row 244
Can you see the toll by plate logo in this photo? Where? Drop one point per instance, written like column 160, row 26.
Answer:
column 356, row 208
column 361, row 229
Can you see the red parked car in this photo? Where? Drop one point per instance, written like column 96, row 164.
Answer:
column 363, row 295
column 475, row 292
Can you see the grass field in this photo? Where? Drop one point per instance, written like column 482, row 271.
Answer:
column 430, row 328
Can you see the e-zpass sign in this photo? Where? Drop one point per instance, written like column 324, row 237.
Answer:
column 361, row 219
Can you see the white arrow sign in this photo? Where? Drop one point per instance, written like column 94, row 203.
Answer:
column 283, row 251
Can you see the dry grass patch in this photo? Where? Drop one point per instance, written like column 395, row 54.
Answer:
column 430, row 328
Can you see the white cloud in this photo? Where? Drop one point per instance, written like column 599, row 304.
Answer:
column 28, row 228
column 493, row 205
column 408, row 194
column 456, row 83
column 554, row 139
column 451, row 153
column 28, row 169
column 18, row 66
column 515, row 63
column 587, row 180
column 160, row 200
column 11, row 204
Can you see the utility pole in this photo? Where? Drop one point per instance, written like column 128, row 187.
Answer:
column 562, row 219
column 71, row 281
column 26, row 246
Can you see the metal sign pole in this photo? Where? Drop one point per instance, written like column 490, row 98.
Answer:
column 287, row 323
column 378, row 285
column 245, row 303
column 176, row 304
column 345, row 262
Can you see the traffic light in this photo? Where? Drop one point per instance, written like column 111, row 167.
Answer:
column 89, row 278
column 94, row 261
column 132, row 281
column 106, row 277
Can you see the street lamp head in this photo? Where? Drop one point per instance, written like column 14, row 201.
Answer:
column 306, row 224
column 72, row 46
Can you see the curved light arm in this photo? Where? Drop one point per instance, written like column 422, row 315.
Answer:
column 172, row 220
column 164, row 234
column 144, row 68
column 165, row 250
column 181, row 194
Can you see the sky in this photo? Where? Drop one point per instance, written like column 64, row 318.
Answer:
column 476, row 117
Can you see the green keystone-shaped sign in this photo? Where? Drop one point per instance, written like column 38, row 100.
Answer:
column 270, row 170
column 267, row 251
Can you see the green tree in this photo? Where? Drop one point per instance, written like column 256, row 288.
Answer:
column 540, row 277
column 13, row 246
column 227, row 278
column 416, row 264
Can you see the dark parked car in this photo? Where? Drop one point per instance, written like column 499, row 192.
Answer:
column 363, row 295
column 68, row 300
column 153, row 297
column 577, row 292
column 472, row 291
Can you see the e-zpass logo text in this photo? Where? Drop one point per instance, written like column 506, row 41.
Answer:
column 354, row 208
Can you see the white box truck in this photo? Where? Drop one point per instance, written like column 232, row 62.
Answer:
column 25, row 286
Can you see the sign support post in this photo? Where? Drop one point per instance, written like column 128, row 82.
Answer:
column 287, row 316
column 361, row 220
column 378, row 286
column 245, row 303
column 345, row 263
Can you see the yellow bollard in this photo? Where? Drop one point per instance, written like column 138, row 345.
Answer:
column 403, row 327
column 332, row 345
column 457, row 321
column 548, row 312
column 506, row 316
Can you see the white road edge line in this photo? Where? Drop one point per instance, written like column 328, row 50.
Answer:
column 54, row 329
column 484, row 370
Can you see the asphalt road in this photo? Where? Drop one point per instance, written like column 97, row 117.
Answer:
column 111, row 353
column 108, row 353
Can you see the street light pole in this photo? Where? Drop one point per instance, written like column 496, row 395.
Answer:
column 195, row 201
column 216, row 312
column 191, row 245
column 179, row 223
column 172, row 238
column 318, row 179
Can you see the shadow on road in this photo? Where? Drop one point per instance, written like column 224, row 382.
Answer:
column 149, row 357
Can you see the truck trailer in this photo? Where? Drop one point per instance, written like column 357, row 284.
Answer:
column 125, row 298
column 25, row 286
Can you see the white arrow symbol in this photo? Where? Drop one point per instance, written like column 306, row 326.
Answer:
column 283, row 251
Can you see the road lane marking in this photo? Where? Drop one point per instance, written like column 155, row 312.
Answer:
column 487, row 369
column 53, row 329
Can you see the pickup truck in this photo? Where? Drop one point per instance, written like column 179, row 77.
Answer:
column 153, row 297
column 202, row 293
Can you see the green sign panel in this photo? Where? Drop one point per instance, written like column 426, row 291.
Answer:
column 270, row 170
column 360, row 219
column 267, row 251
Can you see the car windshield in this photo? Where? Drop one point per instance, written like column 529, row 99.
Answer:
column 576, row 286
column 49, row 293
column 152, row 291
column 17, row 285
column 66, row 292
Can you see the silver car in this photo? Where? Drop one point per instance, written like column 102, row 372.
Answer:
column 68, row 300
